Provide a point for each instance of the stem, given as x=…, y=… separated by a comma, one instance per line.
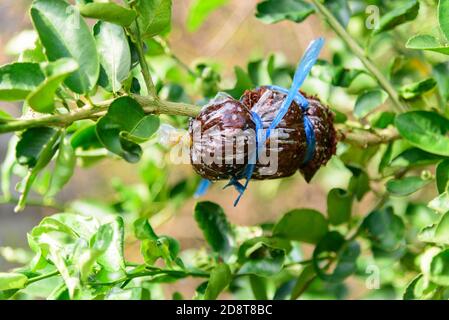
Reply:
x=34, y=203
x=42, y=277
x=360, y=53
x=157, y=272
x=143, y=64
x=149, y=104
x=365, y=139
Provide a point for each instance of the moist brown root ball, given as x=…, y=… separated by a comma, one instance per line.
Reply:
x=322, y=119
x=221, y=135
x=286, y=147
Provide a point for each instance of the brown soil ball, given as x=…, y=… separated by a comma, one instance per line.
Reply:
x=223, y=125
x=322, y=119
x=289, y=146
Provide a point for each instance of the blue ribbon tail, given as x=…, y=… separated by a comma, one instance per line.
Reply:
x=202, y=188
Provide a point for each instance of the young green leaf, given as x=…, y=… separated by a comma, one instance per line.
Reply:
x=64, y=166
x=414, y=90
x=199, y=11
x=109, y=12
x=443, y=14
x=114, y=52
x=272, y=11
x=369, y=101
x=216, y=229
x=305, y=225
x=10, y=281
x=339, y=206
x=425, y=130
x=42, y=98
x=406, y=186
x=220, y=278
x=403, y=13
x=17, y=80
x=442, y=176
x=154, y=17
x=65, y=35
x=427, y=42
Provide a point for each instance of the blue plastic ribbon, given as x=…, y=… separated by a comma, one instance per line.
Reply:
x=307, y=62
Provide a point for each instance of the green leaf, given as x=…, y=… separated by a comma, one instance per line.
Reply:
x=109, y=12
x=333, y=243
x=143, y=230
x=32, y=144
x=439, y=268
x=7, y=167
x=414, y=90
x=385, y=229
x=414, y=157
x=442, y=176
x=243, y=82
x=443, y=14
x=427, y=42
x=437, y=233
x=258, y=287
x=425, y=130
x=263, y=256
x=10, y=281
x=200, y=10
x=64, y=35
x=114, y=52
x=126, y=119
x=441, y=74
x=440, y=203
x=154, y=17
x=339, y=206
x=220, y=278
x=272, y=11
x=113, y=260
x=307, y=275
x=42, y=98
x=99, y=243
x=64, y=167
x=216, y=229
x=406, y=186
x=359, y=184
x=419, y=289
x=305, y=225
x=17, y=80
x=405, y=12
x=369, y=101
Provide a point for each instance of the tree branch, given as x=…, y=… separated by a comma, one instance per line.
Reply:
x=149, y=104
x=360, y=53
x=364, y=138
